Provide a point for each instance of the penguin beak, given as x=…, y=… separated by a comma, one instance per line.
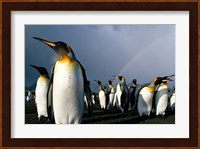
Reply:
x=34, y=67
x=99, y=83
x=115, y=77
x=111, y=80
x=49, y=43
x=166, y=80
x=37, y=68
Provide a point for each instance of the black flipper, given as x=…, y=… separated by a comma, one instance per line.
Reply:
x=107, y=99
x=87, y=90
x=50, y=98
x=137, y=92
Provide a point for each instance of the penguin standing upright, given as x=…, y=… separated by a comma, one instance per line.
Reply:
x=161, y=96
x=89, y=92
x=67, y=87
x=172, y=101
x=110, y=94
x=102, y=95
x=41, y=91
x=122, y=94
x=145, y=97
x=29, y=96
x=132, y=96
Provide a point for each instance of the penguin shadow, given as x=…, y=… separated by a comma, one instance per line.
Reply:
x=44, y=120
x=169, y=112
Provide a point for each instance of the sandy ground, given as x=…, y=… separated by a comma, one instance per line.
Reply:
x=114, y=116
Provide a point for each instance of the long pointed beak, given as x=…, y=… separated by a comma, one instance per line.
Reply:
x=34, y=66
x=172, y=75
x=115, y=77
x=166, y=80
x=49, y=43
x=37, y=68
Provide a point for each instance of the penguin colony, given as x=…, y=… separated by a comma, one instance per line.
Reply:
x=61, y=97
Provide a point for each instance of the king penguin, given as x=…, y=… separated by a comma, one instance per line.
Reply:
x=68, y=84
x=145, y=97
x=29, y=96
x=172, y=100
x=110, y=94
x=161, y=96
x=122, y=94
x=41, y=91
x=90, y=93
x=132, y=96
x=102, y=95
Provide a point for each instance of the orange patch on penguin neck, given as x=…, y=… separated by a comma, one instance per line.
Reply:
x=150, y=89
x=65, y=59
x=42, y=77
x=162, y=87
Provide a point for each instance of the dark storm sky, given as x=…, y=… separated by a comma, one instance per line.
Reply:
x=135, y=51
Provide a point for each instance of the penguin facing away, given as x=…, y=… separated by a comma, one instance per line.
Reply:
x=122, y=94
x=41, y=91
x=102, y=95
x=145, y=97
x=161, y=97
x=132, y=92
x=67, y=87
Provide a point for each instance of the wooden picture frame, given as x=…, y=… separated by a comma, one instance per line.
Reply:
x=7, y=7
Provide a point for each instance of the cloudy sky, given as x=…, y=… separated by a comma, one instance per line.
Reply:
x=135, y=51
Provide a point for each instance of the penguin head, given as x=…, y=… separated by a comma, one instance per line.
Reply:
x=59, y=47
x=110, y=82
x=121, y=78
x=134, y=81
x=41, y=70
x=165, y=79
x=88, y=83
x=157, y=81
x=99, y=82
x=104, y=88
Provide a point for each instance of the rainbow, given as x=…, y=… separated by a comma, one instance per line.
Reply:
x=141, y=52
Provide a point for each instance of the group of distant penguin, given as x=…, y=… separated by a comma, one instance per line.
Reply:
x=60, y=97
x=153, y=97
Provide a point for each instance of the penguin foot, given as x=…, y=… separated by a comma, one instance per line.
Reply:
x=39, y=119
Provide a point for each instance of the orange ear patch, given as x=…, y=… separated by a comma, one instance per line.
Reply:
x=154, y=80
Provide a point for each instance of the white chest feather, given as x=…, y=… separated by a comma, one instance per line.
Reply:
x=161, y=100
x=118, y=94
x=68, y=93
x=145, y=99
x=41, y=95
x=173, y=100
x=102, y=99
